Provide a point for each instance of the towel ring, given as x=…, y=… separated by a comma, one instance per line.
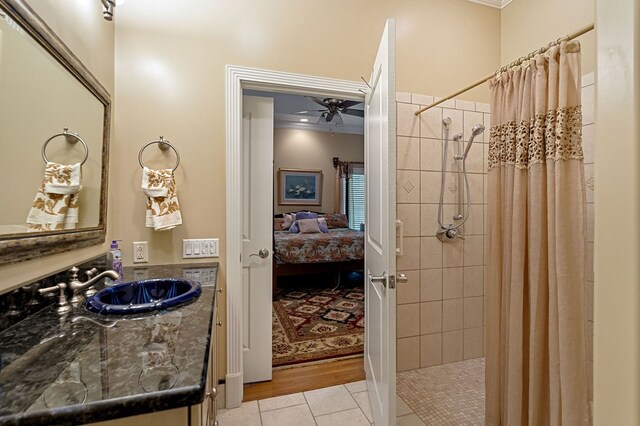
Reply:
x=72, y=138
x=163, y=144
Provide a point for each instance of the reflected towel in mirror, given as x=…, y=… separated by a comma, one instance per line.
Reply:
x=55, y=206
x=163, y=209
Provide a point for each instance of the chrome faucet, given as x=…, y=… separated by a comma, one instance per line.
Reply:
x=76, y=286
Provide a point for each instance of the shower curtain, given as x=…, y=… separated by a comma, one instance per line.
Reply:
x=536, y=368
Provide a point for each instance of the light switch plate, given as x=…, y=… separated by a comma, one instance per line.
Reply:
x=200, y=248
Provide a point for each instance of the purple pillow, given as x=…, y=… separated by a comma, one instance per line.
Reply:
x=306, y=215
x=322, y=224
x=294, y=228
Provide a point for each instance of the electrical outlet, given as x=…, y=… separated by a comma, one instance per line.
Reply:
x=140, y=274
x=140, y=252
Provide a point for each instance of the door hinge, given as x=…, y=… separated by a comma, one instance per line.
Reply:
x=392, y=281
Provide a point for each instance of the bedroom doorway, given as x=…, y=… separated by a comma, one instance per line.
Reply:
x=317, y=267
x=379, y=237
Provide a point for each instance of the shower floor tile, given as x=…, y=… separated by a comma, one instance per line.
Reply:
x=448, y=394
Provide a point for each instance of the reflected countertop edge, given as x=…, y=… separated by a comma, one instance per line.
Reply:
x=83, y=367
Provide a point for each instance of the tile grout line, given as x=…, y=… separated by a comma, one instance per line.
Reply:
x=259, y=413
x=309, y=406
x=279, y=408
x=345, y=410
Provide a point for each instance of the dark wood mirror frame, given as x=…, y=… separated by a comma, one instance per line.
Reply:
x=20, y=247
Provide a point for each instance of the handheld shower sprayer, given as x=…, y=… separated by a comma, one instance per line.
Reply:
x=477, y=130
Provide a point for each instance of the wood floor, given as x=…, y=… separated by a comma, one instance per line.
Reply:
x=301, y=379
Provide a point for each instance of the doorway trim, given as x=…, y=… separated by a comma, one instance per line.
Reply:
x=237, y=79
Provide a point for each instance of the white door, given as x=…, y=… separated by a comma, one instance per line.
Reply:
x=257, y=223
x=380, y=232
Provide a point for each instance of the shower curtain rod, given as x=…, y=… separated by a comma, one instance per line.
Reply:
x=571, y=36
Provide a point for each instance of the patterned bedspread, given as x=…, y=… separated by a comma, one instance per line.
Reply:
x=338, y=245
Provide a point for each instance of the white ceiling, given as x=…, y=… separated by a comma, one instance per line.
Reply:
x=285, y=104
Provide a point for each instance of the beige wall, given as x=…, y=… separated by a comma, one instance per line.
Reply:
x=171, y=81
x=80, y=25
x=617, y=176
x=312, y=150
x=527, y=25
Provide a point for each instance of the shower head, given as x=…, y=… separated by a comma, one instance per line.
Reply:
x=475, y=131
x=446, y=121
x=457, y=137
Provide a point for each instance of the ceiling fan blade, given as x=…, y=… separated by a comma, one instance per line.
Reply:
x=349, y=104
x=316, y=100
x=308, y=111
x=356, y=112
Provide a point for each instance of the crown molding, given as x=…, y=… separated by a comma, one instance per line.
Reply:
x=498, y=4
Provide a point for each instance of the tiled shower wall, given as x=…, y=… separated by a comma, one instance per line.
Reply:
x=588, y=144
x=440, y=311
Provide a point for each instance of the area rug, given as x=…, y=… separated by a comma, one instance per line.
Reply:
x=311, y=324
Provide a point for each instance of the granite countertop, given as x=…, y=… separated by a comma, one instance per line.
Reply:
x=82, y=367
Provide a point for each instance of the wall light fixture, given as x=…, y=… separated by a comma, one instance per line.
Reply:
x=107, y=9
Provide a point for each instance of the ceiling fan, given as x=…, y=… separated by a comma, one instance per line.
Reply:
x=333, y=108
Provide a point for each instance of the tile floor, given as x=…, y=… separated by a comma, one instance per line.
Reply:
x=336, y=406
x=449, y=394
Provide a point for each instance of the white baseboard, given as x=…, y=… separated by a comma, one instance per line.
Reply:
x=233, y=390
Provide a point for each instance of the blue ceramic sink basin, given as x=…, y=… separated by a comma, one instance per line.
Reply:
x=143, y=296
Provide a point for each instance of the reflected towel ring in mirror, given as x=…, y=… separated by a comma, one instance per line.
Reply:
x=163, y=144
x=159, y=377
x=71, y=138
x=61, y=394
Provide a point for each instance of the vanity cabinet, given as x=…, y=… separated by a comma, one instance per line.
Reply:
x=203, y=414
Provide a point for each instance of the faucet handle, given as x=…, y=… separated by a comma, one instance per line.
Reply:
x=90, y=273
x=63, y=305
x=92, y=289
x=73, y=273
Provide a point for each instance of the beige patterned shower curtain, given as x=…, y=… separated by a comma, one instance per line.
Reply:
x=536, y=370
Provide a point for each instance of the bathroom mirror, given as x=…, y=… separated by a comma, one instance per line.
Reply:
x=44, y=88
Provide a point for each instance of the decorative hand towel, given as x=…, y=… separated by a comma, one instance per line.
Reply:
x=56, y=204
x=163, y=210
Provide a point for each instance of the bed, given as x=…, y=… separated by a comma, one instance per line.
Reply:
x=340, y=249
